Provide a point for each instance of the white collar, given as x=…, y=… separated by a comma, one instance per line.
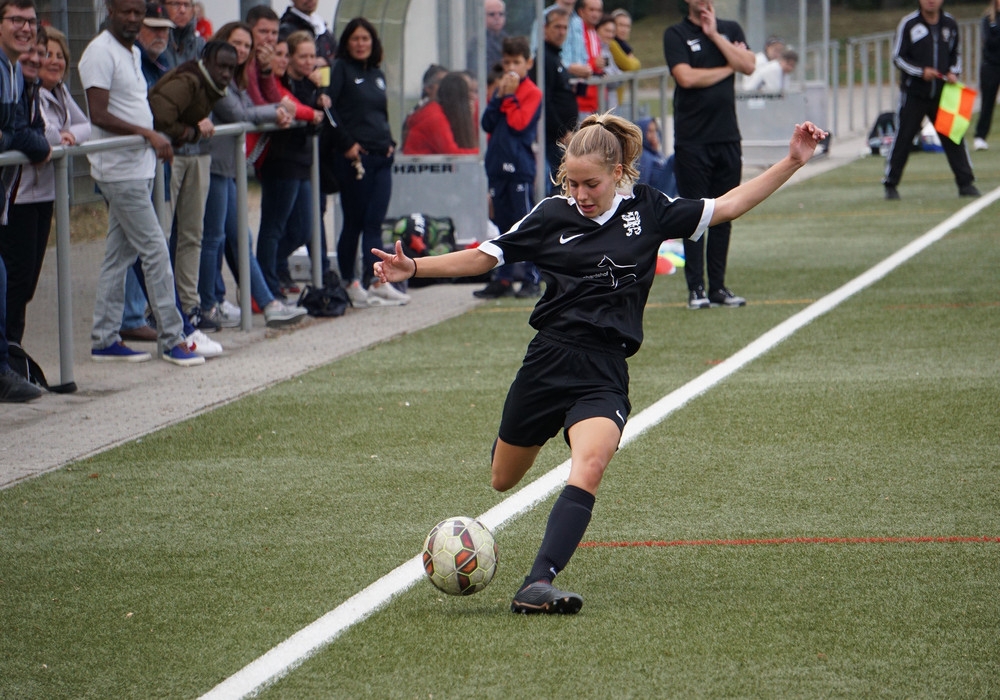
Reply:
x=606, y=216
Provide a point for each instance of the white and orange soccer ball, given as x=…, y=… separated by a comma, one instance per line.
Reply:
x=460, y=556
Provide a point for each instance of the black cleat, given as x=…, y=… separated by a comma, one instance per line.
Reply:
x=495, y=289
x=969, y=190
x=543, y=597
x=724, y=297
x=529, y=290
x=891, y=192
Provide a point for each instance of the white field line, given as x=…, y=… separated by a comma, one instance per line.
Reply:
x=296, y=649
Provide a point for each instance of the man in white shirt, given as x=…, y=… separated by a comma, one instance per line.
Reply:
x=111, y=74
x=772, y=77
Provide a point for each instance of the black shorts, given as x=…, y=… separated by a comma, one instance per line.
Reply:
x=560, y=384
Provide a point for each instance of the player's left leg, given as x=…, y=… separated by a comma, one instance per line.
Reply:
x=593, y=443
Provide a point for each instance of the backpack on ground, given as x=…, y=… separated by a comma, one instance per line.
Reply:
x=882, y=134
x=328, y=301
x=24, y=364
x=421, y=235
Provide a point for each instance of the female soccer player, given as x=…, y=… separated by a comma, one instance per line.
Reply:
x=596, y=248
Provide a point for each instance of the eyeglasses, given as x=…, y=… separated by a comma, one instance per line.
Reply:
x=19, y=22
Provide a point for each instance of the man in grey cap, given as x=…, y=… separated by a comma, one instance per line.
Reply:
x=154, y=36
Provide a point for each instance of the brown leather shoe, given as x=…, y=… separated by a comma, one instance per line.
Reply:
x=144, y=333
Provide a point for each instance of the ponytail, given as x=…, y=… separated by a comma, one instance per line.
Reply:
x=612, y=140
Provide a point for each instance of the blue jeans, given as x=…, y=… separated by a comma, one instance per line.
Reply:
x=134, y=231
x=220, y=229
x=364, y=203
x=285, y=214
x=135, y=301
x=3, y=317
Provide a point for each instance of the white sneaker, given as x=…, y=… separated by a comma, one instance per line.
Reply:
x=980, y=144
x=230, y=314
x=203, y=345
x=279, y=315
x=357, y=294
x=386, y=295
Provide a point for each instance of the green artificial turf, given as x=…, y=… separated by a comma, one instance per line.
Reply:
x=162, y=567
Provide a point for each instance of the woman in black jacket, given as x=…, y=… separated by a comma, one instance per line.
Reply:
x=989, y=73
x=364, y=166
x=286, y=189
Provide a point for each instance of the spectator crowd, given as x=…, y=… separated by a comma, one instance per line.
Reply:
x=161, y=72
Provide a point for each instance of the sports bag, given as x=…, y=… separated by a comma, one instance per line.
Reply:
x=324, y=302
x=421, y=235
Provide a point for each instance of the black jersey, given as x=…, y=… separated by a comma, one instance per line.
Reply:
x=598, y=272
x=703, y=115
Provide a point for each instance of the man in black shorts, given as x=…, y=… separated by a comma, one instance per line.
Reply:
x=704, y=54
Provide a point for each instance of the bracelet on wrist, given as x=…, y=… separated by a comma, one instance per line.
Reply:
x=414, y=268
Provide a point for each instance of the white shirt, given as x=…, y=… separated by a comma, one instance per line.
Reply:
x=107, y=64
x=770, y=78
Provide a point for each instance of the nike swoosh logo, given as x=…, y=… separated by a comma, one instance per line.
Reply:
x=358, y=81
x=566, y=239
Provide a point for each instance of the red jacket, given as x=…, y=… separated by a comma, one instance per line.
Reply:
x=429, y=133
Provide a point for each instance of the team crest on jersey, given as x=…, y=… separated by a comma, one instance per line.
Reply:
x=380, y=83
x=632, y=223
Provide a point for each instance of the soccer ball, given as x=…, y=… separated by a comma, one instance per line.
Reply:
x=460, y=556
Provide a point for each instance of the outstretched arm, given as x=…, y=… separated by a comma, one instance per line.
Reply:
x=742, y=199
x=396, y=267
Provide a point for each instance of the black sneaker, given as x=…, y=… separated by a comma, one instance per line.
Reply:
x=543, y=597
x=969, y=190
x=529, y=290
x=200, y=320
x=724, y=297
x=495, y=289
x=698, y=300
x=891, y=192
x=16, y=389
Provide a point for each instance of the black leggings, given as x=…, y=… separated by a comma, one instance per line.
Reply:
x=989, y=82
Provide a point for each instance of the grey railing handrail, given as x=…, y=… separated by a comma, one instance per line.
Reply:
x=62, y=222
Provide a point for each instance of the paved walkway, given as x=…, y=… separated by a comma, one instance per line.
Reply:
x=116, y=403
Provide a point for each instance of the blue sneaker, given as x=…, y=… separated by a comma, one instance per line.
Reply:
x=118, y=352
x=180, y=355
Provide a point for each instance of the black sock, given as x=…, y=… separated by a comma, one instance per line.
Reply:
x=567, y=522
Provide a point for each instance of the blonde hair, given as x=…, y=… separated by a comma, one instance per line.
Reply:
x=610, y=138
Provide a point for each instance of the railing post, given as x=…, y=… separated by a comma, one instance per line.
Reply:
x=317, y=221
x=834, y=113
x=160, y=199
x=64, y=283
x=242, y=233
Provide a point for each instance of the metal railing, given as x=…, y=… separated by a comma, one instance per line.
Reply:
x=60, y=155
x=865, y=82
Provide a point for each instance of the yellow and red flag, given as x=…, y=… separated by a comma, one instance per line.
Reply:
x=954, y=110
